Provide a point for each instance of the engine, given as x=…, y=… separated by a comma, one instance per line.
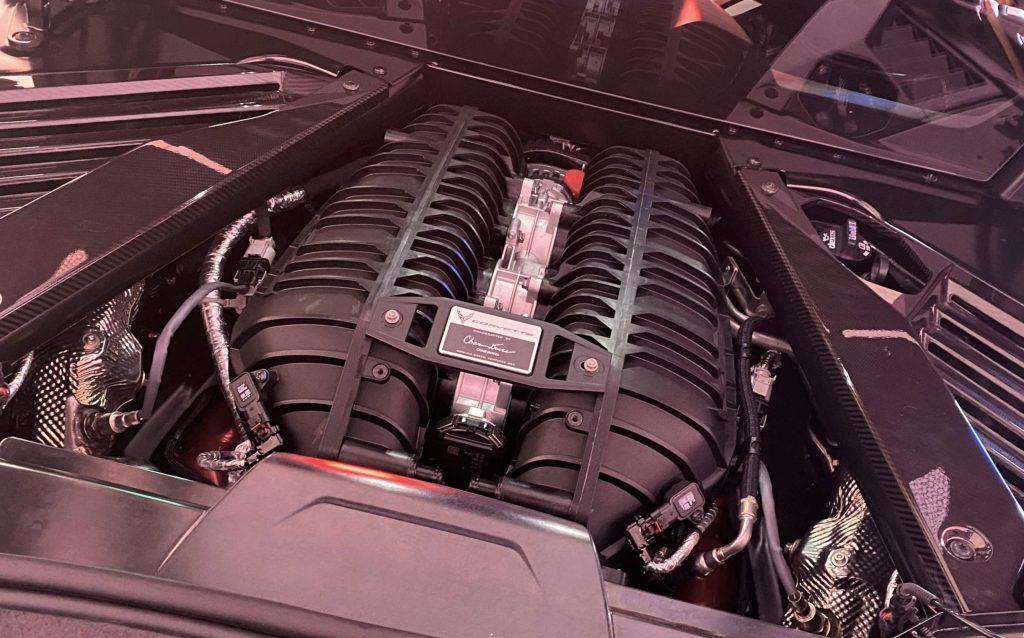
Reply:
x=459, y=314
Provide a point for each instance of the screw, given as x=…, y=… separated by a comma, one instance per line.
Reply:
x=380, y=372
x=23, y=37
x=769, y=188
x=380, y=71
x=350, y=86
x=392, y=317
x=574, y=418
x=754, y=162
x=261, y=376
x=591, y=365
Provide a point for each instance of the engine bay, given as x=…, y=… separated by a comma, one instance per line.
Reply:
x=551, y=324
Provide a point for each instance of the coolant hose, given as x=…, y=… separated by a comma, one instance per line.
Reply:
x=771, y=527
x=213, y=313
x=163, y=342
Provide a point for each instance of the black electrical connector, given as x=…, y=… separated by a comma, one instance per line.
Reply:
x=248, y=391
x=682, y=502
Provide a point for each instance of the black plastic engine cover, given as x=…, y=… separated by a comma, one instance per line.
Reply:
x=639, y=277
x=415, y=221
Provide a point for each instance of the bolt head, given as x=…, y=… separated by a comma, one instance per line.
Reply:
x=574, y=418
x=380, y=71
x=380, y=372
x=23, y=37
x=350, y=86
x=840, y=558
x=392, y=317
x=769, y=188
x=591, y=365
x=754, y=162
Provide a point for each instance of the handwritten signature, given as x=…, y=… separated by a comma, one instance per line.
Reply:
x=492, y=347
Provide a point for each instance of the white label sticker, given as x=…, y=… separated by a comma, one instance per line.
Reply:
x=493, y=340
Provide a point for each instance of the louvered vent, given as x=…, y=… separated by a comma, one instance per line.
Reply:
x=927, y=72
x=979, y=350
x=52, y=134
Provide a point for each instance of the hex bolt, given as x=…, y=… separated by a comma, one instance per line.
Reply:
x=350, y=86
x=754, y=162
x=380, y=372
x=574, y=418
x=392, y=317
x=769, y=188
x=591, y=365
x=380, y=71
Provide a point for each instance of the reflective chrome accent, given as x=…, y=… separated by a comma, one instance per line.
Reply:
x=711, y=560
x=515, y=285
x=977, y=348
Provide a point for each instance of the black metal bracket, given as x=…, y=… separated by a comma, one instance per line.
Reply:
x=395, y=335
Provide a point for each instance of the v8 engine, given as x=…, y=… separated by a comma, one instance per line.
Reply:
x=458, y=313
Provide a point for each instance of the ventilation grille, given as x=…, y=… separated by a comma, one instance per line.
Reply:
x=927, y=72
x=50, y=135
x=979, y=351
x=657, y=56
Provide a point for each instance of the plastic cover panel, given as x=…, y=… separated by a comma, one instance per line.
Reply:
x=395, y=552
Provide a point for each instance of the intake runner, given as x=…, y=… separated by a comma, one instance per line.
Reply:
x=417, y=220
x=639, y=276
x=446, y=317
